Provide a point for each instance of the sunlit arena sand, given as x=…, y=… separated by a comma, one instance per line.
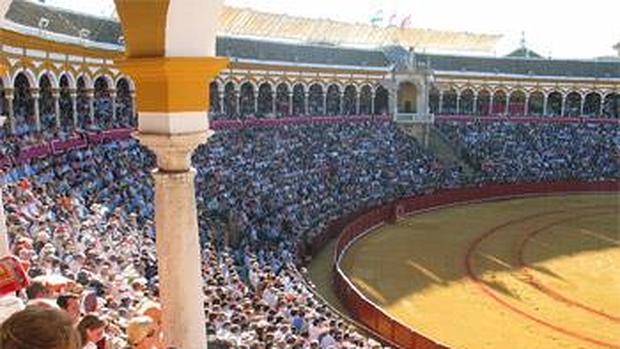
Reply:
x=526, y=273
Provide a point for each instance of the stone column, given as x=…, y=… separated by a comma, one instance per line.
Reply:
x=372, y=102
x=545, y=97
x=34, y=92
x=491, y=95
x=583, y=100
x=255, y=101
x=458, y=102
x=133, y=115
x=178, y=245
x=358, y=102
x=112, y=93
x=290, y=103
x=90, y=94
x=9, y=94
x=562, y=110
x=341, y=103
x=56, y=97
x=273, y=103
x=507, y=106
x=440, y=101
x=173, y=99
x=74, y=109
x=475, y=106
x=325, y=103
x=600, y=107
x=306, y=96
x=526, y=106
x=220, y=96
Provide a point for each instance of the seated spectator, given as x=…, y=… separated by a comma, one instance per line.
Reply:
x=39, y=328
x=91, y=330
x=142, y=333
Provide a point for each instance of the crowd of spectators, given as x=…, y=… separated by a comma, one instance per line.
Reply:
x=509, y=152
x=83, y=221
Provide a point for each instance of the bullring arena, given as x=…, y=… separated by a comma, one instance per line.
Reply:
x=187, y=174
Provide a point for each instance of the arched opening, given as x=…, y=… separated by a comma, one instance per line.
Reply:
x=282, y=100
x=103, y=103
x=124, y=107
x=517, y=103
x=536, y=103
x=611, y=106
x=382, y=101
x=573, y=104
x=499, y=103
x=592, y=104
x=349, y=104
x=265, y=99
x=83, y=106
x=333, y=100
x=47, y=108
x=230, y=100
x=315, y=100
x=407, y=98
x=23, y=105
x=299, y=100
x=247, y=99
x=66, y=104
x=366, y=100
x=215, y=109
x=449, y=102
x=484, y=102
x=433, y=100
x=466, y=105
x=554, y=104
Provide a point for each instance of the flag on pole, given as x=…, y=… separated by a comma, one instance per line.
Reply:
x=405, y=22
x=377, y=18
x=392, y=19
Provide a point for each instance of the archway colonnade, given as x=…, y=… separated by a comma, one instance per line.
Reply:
x=62, y=102
x=523, y=102
x=230, y=98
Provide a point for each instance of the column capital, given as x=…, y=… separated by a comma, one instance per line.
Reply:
x=9, y=93
x=173, y=84
x=173, y=151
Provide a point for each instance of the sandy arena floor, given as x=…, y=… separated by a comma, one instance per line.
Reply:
x=538, y=273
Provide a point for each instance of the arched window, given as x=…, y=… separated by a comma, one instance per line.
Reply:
x=466, y=105
x=265, y=99
x=536, y=103
x=517, y=103
x=554, y=104
x=611, y=106
x=66, y=104
x=315, y=100
x=230, y=100
x=247, y=99
x=366, y=100
x=499, y=103
x=349, y=103
x=124, y=107
x=282, y=100
x=333, y=100
x=83, y=104
x=47, y=108
x=215, y=109
x=573, y=104
x=382, y=97
x=449, y=102
x=23, y=105
x=103, y=103
x=299, y=100
x=433, y=100
x=592, y=104
x=484, y=102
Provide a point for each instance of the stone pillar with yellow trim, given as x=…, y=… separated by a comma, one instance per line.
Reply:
x=171, y=68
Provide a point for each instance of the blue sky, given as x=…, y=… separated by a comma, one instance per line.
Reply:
x=561, y=29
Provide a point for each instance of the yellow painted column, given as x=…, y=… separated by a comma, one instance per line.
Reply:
x=173, y=98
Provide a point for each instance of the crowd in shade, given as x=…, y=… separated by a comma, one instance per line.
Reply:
x=82, y=222
x=508, y=152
